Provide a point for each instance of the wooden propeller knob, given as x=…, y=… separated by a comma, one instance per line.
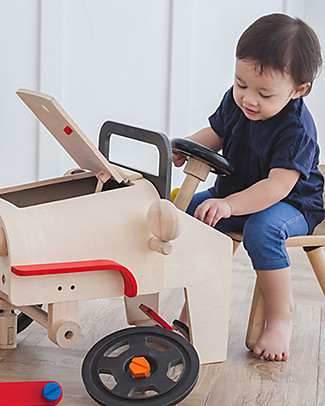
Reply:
x=163, y=222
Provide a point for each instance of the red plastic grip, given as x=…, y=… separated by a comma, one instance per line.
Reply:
x=130, y=283
x=25, y=394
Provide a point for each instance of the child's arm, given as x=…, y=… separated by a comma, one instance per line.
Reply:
x=207, y=137
x=257, y=197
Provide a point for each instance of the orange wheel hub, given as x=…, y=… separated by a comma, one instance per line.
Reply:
x=139, y=367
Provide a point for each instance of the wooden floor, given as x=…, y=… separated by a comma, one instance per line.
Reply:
x=241, y=380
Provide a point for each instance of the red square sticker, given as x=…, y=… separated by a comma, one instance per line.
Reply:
x=68, y=130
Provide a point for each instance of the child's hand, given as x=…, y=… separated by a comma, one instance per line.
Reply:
x=178, y=160
x=212, y=210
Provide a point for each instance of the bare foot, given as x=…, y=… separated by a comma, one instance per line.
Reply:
x=274, y=344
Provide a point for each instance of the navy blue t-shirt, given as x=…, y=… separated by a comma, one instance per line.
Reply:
x=287, y=140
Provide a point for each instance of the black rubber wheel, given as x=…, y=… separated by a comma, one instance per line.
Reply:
x=173, y=361
x=218, y=163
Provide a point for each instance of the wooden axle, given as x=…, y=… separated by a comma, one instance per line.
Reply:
x=8, y=326
x=60, y=322
x=35, y=313
x=63, y=328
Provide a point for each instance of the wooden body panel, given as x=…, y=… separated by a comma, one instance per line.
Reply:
x=107, y=225
x=201, y=261
x=113, y=225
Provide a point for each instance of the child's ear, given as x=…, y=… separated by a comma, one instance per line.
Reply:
x=301, y=90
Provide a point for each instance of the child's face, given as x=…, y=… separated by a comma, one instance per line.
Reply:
x=261, y=96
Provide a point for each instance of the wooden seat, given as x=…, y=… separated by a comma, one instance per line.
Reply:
x=312, y=245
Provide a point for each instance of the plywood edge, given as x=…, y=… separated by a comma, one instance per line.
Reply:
x=46, y=182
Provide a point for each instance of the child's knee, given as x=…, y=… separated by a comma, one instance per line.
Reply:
x=259, y=233
x=265, y=244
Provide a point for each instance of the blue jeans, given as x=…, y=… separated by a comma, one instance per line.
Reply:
x=264, y=232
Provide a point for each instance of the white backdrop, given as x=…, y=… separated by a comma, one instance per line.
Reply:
x=162, y=65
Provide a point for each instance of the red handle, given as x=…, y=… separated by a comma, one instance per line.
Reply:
x=30, y=393
x=130, y=283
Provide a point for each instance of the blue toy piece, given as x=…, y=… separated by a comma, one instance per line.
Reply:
x=52, y=391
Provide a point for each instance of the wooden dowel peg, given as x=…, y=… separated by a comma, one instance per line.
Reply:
x=162, y=247
x=63, y=328
x=8, y=330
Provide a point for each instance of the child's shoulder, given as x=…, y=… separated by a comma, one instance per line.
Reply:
x=228, y=99
x=297, y=118
x=226, y=115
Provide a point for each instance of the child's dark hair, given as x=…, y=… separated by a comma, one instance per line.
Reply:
x=282, y=43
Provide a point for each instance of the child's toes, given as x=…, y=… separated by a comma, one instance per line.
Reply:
x=285, y=356
x=258, y=351
x=266, y=355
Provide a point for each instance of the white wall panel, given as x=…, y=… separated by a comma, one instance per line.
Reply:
x=19, y=46
x=52, y=72
x=116, y=63
x=313, y=12
x=180, y=68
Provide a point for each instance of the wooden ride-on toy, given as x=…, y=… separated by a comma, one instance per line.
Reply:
x=91, y=235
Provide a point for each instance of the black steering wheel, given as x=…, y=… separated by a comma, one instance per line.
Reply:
x=217, y=162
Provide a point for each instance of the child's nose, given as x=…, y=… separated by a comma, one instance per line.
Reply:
x=249, y=100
